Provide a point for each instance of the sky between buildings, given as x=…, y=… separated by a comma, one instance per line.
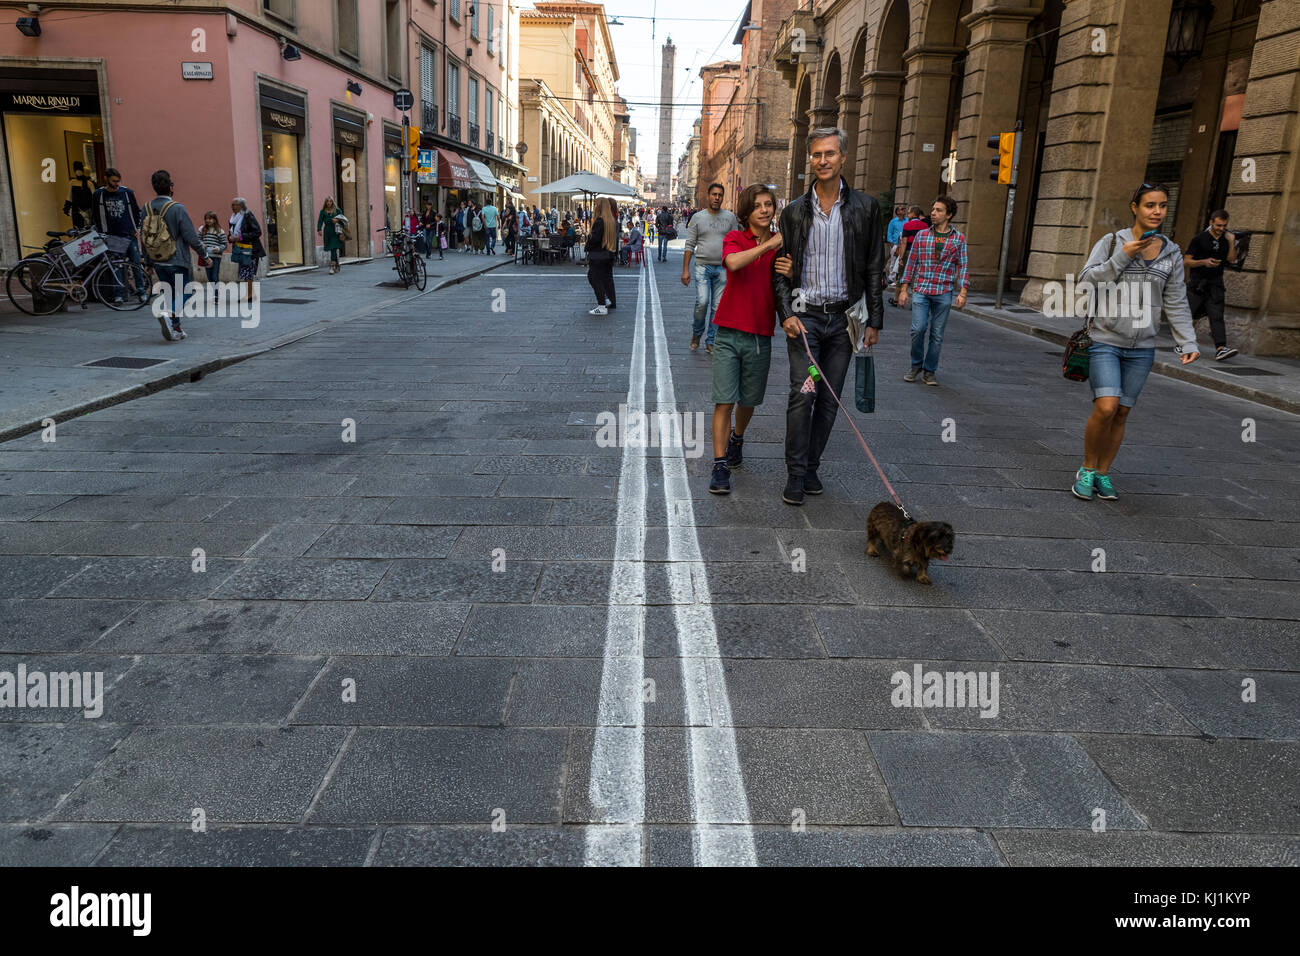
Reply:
x=701, y=31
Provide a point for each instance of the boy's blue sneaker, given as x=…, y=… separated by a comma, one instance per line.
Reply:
x=1105, y=489
x=1083, y=483
x=720, y=484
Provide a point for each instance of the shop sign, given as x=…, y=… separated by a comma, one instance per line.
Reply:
x=424, y=161
x=345, y=137
x=84, y=248
x=196, y=71
x=274, y=119
x=78, y=104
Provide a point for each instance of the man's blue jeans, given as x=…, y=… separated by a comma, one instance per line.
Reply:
x=710, y=280
x=491, y=239
x=175, y=304
x=663, y=248
x=929, y=314
x=810, y=416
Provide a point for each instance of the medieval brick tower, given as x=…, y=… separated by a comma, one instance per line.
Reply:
x=664, y=165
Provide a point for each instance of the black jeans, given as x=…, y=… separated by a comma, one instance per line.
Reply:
x=810, y=416
x=600, y=273
x=1205, y=296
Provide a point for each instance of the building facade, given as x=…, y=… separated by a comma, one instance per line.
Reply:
x=718, y=131
x=1110, y=93
x=568, y=100
x=764, y=98
x=280, y=102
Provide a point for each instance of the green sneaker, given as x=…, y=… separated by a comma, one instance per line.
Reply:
x=1083, y=483
x=1105, y=489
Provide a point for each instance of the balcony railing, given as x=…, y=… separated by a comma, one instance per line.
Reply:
x=429, y=115
x=453, y=126
x=473, y=134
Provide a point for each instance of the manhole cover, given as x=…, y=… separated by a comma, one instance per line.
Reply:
x=124, y=361
x=1245, y=370
x=291, y=301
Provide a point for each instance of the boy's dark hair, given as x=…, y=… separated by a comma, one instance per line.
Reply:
x=749, y=199
x=1219, y=214
x=162, y=182
x=1148, y=188
x=948, y=203
x=111, y=172
x=916, y=212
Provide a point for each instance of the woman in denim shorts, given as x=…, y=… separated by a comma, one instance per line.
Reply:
x=1135, y=275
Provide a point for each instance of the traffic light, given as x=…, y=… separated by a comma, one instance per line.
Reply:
x=412, y=149
x=1005, y=144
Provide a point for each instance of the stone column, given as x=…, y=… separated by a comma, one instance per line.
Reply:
x=878, y=155
x=848, y=121
x=1104, y=89
x=1265, y=192
x=925, y=114
x=995, y=62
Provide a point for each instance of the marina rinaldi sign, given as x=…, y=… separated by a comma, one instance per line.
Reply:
x=76, y=104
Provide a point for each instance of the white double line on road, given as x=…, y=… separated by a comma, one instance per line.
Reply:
x=617, y=788
x=720, y=808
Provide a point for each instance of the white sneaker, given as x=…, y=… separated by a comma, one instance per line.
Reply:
x=177, y=333
x=599, y=310
x=165, y=321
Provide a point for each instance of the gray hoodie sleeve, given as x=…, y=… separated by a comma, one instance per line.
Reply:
x=1099, y=268
x=1177, y=311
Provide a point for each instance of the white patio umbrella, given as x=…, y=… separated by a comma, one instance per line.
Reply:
x=589, y=184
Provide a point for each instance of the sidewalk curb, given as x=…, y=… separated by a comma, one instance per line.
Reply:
x=192, y=373
x=1161, y=367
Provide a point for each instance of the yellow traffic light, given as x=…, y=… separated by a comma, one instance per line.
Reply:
x=1005, y=144
x=412, y=148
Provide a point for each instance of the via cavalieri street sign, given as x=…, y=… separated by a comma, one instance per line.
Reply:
x=403, y=99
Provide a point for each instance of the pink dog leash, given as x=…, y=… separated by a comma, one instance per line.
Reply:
x=811, y=386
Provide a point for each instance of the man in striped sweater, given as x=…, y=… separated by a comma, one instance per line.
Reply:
x=936, y=265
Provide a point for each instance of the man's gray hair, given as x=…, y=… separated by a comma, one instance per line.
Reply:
x=241, y=201
x=825, y=132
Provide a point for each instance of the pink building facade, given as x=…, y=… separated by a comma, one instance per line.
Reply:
x=211, y=97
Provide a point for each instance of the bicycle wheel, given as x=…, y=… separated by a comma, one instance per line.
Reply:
x=113, y=285
x=30, y=286
x=421, y=275
x=403, y=272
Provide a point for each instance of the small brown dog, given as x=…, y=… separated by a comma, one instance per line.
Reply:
x=910, y=544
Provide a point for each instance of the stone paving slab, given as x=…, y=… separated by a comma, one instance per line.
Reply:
x=236, y=774
x=842, y=846
x=1127, y=848
x=238, y=846
x=53, y=845
x=417, y=692
x=53, y=625
x=997, y=780
x=217, y=627
x=1193, y=785
x=40, y=763
x=446, y=775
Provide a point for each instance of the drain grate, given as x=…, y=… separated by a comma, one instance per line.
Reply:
x=1244, y=370
x=1021, y=309
x=124, y=361
x=291, y=301
x=302, y=288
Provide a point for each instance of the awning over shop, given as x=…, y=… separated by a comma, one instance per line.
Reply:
x=453, y=171
x=482, y=174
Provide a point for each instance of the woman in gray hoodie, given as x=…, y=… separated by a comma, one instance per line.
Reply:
x=1133, y=276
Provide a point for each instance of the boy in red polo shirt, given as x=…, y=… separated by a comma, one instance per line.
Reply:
x=746, y=318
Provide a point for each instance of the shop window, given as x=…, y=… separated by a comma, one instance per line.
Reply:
x=281, y=179
x=76, y=144
x=1169, y=133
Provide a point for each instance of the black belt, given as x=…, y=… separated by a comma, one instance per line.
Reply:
x=828, y=308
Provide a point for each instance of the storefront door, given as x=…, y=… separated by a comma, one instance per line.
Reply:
x=53, y=134
x=284, y=125
x=349, y=166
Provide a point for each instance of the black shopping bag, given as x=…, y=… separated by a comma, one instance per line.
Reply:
x=865, y=397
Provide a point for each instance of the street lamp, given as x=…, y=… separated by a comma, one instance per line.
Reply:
x=1187, y=25
x=29, y=26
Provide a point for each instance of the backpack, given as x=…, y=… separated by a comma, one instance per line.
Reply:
x=477, y=224
x=159, y=244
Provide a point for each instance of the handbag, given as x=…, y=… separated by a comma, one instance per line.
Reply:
x=1076, y=364
x=241, y=252
x=864, y=366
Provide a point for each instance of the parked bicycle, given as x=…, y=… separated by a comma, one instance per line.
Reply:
x=409, y=264
x=74, y=265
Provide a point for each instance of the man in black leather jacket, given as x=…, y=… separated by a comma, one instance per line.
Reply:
x=834, y=253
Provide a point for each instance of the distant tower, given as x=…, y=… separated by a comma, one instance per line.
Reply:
x=663, y=169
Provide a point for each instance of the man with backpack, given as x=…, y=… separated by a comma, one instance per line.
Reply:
x=664, y=223
x=168, y=235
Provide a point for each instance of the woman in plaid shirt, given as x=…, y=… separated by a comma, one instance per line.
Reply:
x=935, y=266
